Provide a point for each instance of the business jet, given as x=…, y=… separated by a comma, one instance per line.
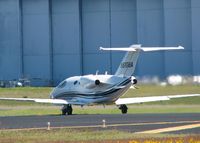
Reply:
x=103, y=89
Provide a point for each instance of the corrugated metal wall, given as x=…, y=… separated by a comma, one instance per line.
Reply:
x=50, y=40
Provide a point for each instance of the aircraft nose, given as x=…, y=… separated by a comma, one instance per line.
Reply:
x=52, y=94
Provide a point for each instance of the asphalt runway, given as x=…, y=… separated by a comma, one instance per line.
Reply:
x=136, y=123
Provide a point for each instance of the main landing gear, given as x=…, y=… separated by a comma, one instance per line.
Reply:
x=123, y=108
x=67, y=109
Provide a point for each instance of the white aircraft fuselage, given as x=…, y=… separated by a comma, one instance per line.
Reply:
x=91, y=89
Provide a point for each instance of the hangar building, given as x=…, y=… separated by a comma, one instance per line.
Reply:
x=50, y=40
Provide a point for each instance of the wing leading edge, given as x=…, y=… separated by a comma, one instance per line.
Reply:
x=37, y=100
x=135, y=100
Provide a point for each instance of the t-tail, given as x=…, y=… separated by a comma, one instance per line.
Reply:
x=128, y=64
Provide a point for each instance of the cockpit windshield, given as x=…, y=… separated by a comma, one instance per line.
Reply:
x=62, y=84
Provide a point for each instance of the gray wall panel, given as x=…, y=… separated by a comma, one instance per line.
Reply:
x=36, y=40
x=66, y=66
x=178, y=63
x=196, y=63
x=150, y=33
x=96, y=33
x=36, y=66
x=122, y=33
x=177, y=16
x=174, y=4
x=60, y=39
x=195, y=3
x=9, y=40
x=10, y=67
x=35, y=7
x=66, y=39
x=95, y=16
x=36, y=35
x=66, y=30
x=150, y=64
x=96, y=62
x=195, y=10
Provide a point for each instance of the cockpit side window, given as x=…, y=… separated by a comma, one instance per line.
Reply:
x=62, y=84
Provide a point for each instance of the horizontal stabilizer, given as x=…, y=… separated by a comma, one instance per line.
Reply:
x=146, y=49
x=128, y=64
x=139, y=48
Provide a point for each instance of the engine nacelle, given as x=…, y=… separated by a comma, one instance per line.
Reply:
x=97, y=82
x=133, y=80
x=89, y=82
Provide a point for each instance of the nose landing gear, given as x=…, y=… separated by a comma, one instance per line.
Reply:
x=123, y=108
x=67, y=109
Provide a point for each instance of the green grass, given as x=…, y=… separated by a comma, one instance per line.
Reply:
x=181, y=105
x=133, y=109
x=30, y=92
x=63, y=135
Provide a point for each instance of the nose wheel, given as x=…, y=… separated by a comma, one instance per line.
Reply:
x=67, y=109
x=123, y=108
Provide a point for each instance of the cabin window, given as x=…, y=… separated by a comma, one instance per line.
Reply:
x=75, y=82
x=62, y=84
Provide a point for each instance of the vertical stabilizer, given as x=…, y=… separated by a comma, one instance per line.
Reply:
x=128, y=64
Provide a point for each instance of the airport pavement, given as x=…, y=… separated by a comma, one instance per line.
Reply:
x=137, y=123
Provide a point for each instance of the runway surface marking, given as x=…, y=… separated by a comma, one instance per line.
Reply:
x=107, y=125
x=170, y=129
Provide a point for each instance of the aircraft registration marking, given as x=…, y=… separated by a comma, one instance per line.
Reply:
x=126, y=65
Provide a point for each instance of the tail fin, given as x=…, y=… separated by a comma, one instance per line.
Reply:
x=128, y=64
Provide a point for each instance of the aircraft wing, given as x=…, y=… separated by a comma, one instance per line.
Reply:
x=52, y=101
x=135, y=100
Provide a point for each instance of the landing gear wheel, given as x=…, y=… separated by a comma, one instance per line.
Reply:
x=123, y=108
x=67, y=109
x=64, y=110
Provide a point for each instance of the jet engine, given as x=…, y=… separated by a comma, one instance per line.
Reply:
x=97, y=82
x=90, y=82
x=133, y=80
